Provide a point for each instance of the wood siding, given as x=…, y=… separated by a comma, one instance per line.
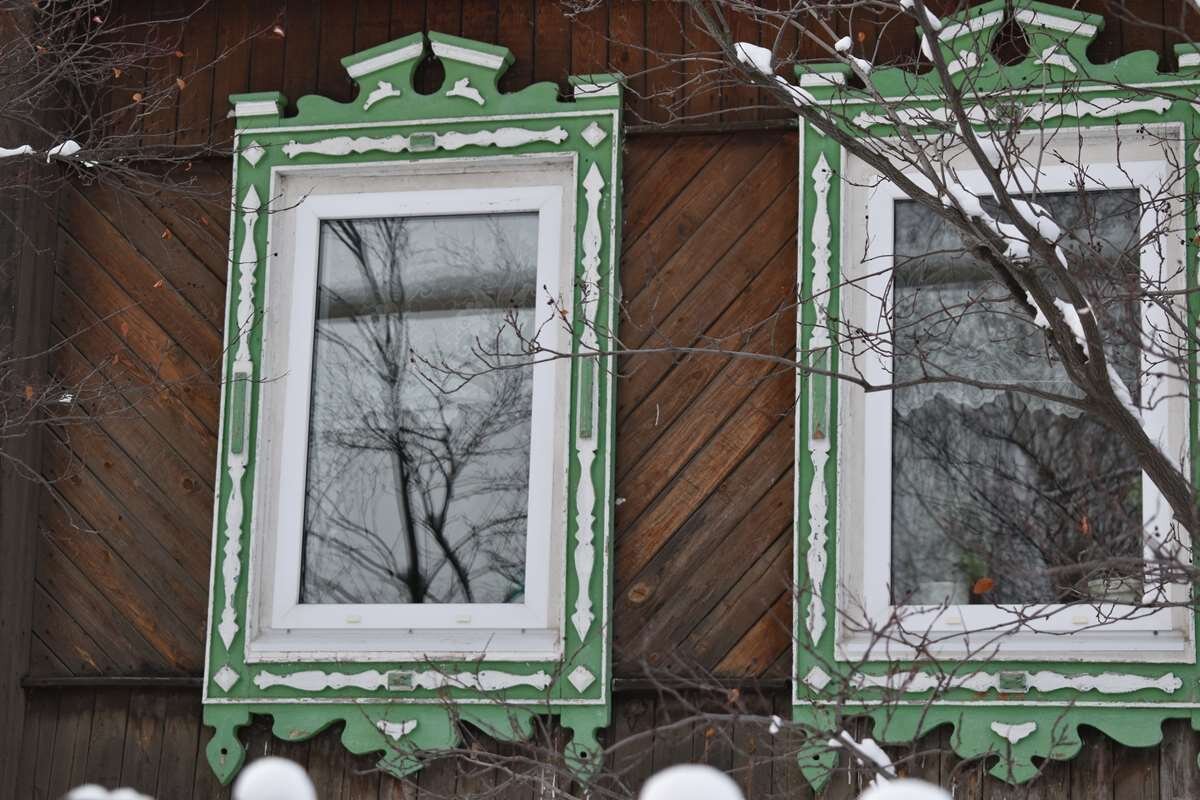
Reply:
x=704, y=450
x=153, y=739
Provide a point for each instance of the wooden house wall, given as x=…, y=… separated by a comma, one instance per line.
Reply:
x=704, y=450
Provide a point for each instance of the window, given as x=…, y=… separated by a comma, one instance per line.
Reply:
x=413, y=525
x=973, y=549
x=400, y=408
x=988, y=507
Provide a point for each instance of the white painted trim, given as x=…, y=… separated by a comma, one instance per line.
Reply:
x=448, y=140
x=819, y=446
x=408, y=123
x=402, y=680
x=382, y=91
x=386, y=60
x=236, y=463
x=463, y=88
x=1015, y=732
x=973, y=25
x=864, y=538
x=255, y=108
x=1039, y=681
x=807, y=80
x=585, y=494
x=466, y=55
x=1099, y=108
x=1056, y=23
x=585, y=90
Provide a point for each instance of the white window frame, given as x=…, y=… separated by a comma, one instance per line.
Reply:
x=280, y=627
x=1062, y=632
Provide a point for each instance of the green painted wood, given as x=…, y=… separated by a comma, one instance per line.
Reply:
x=1080, y=93
x=467, y=117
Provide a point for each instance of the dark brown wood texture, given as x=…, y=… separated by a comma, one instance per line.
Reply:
x=704, y=443
x=704, y=452
x=153, y=740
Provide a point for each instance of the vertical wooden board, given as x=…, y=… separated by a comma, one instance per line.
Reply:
x=45, y=706
x=26, y=764
x=631, y=761
x=439, y=778
x=444, y=16
x=1135, y=772
x=589, y=41
x=740, y=101
x=627, y=56
x=786, y=778
x=197, y=68
x=552, y=43
x=408, y=16
x=1094, y=765
x=336, y=42
x=162, y=72
x=107, y=747
x=664, y=45
x=480, y=21
x=360, y=777
x=1178, y=774
x=205, y=785
x=752, y=746
x=514, y=24
x=371, y=21
x=180, y=733
x=268, y=46
x=325, y=756
x=673, y=728
x=143, y=739
x=76, y=713
x=391, y=788
x=702, y=72
x=232, y=71
x=302, y=24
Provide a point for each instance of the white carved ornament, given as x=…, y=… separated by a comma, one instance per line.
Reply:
x=1015, y=732
x=382, y=91
x=425, y=142
x=243, y=369
x=1041, y=681
x=585, y=493
x=463, y=88
x=818, y=429
x=1096, y=107
x=396, y=730
x=315, y=680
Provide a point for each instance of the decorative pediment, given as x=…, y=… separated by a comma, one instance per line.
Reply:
x=386, y=89
x=1056, y=39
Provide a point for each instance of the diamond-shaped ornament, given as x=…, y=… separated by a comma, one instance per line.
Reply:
x=254, y=152
x=593, y=134
x=226, y=677
x=581, y=678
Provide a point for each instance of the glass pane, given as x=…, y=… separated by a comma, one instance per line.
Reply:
x=998, y=496
x=417, y=477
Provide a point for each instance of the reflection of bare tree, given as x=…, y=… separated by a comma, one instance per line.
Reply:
x=417, y=488
x=1013, y=496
